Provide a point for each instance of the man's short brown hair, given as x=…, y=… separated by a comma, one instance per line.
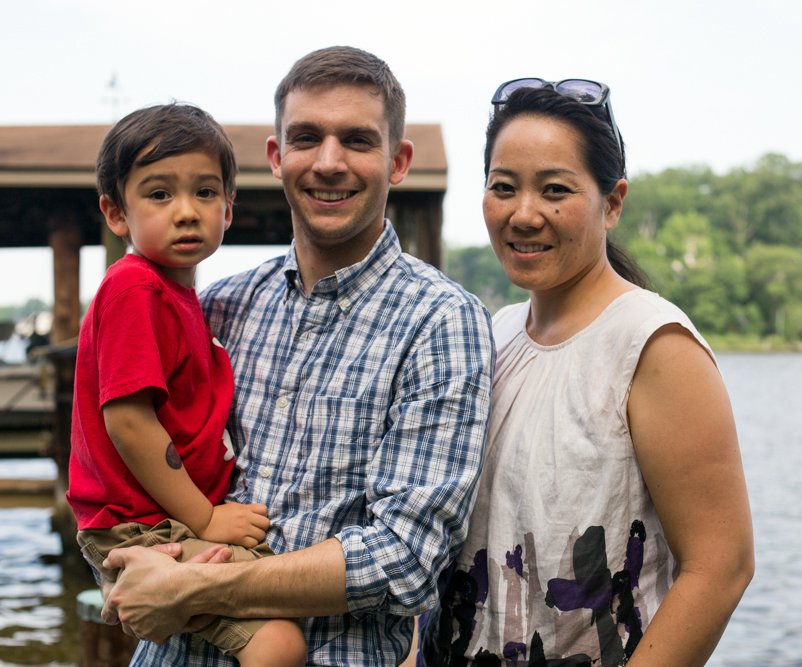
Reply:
x=346, y=65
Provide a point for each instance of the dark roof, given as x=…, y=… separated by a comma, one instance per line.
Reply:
x=45, y=155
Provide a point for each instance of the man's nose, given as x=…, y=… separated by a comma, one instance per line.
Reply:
x=330, y=156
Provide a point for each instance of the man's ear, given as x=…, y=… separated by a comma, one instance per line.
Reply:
x=114, y=215
x=273, y=152
x=615, y=203
x=402, y=160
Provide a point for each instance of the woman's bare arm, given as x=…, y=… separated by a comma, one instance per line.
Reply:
x=686, y=443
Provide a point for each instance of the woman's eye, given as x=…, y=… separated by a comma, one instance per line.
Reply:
x=501, y=188
x=556, y=189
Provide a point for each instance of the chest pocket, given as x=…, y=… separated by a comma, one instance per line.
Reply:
x=340, y=436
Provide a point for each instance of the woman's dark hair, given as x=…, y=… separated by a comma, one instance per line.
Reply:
x=603, y=157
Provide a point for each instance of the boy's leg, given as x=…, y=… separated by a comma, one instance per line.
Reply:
x=278, y=643
x=232, y=636
x=254, y=642
x=96, y=544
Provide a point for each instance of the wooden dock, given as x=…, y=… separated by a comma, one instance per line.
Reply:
x=27, y=408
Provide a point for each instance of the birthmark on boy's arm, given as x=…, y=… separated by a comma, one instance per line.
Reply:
x=172, y=457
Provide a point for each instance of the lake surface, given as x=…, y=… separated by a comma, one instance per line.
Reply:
x=37, y=588
x=766, y=393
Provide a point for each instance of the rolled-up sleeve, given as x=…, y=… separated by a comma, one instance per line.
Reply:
x=422, y=479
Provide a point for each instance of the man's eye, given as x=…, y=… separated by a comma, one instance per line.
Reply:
x=303, y=139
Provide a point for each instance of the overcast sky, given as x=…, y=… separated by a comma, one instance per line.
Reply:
x=713, y=82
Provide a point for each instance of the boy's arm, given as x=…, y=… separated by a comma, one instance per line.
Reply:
x=147, y=450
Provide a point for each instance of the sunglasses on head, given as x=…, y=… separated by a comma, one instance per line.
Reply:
x=591, y=93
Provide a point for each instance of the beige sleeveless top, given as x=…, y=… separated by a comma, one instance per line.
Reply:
x=565, y=556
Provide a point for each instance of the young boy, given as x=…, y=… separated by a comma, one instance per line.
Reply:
x=150, y=461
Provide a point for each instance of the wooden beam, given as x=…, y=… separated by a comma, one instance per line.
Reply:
x=65, y=241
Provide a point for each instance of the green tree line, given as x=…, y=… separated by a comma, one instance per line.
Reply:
x=10, y=313
x=727, y=249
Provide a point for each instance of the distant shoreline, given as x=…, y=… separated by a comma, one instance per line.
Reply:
x=770, y=345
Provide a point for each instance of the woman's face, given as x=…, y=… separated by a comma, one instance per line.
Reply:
x=546, y=217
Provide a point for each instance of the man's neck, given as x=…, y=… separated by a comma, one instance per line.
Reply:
x=316, y=262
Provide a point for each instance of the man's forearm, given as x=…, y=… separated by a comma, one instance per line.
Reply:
x=155, y=597
x=308, y=582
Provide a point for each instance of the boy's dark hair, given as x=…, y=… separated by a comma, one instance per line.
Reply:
x=154, y=133
x=346, y=65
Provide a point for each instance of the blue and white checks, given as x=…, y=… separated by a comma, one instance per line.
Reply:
x=359, y=413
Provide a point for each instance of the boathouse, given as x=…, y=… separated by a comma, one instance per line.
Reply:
x=48, y=198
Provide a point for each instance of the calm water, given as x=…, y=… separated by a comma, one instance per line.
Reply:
x=37, y=589
x=38, y=586
x=766, y=392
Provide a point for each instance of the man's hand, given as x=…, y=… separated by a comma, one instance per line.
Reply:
x=146, y=597
x=234, y=523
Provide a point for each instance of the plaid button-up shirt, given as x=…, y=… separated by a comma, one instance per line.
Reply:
x=360, y=412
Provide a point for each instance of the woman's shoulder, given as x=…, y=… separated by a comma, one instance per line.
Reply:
x=635, y=316
x=641, y=307
x=509, y=321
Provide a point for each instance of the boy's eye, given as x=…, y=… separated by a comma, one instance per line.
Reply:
x=207, y=193
x=159, y=195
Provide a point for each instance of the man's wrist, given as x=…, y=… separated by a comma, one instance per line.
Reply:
x=201, y=587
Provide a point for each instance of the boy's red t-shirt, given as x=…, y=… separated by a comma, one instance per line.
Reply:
x=144, y=330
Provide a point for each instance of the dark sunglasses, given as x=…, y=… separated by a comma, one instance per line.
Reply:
x=591, y=93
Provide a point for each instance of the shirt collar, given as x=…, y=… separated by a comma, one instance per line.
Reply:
x=346, y=283
x=291, y=273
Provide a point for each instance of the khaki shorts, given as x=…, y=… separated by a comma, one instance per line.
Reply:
x=227, y=634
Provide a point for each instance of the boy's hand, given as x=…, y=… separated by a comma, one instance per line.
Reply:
x=234, y=523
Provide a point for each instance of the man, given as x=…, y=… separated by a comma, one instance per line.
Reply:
x=362, y=394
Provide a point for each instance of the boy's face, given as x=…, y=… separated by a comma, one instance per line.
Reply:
x=176, y=211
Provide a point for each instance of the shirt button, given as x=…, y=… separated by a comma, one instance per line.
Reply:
x=344, y=303
x=282, y=402
x=264, y=471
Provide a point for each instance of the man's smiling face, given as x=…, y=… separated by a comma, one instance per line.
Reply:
x=336, y=164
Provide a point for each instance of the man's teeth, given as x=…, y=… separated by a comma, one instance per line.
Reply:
x=325, y=195
x=520, y=247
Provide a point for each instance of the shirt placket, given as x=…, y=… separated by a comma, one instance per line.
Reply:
x=311, y=319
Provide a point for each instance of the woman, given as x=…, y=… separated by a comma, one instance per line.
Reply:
x=612, y=524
